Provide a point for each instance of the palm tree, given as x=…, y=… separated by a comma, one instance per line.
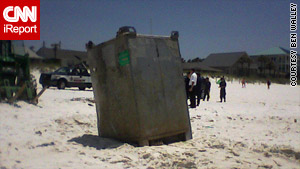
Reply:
x=271, y=66
x=248, y=61
x=244, y=60
x=197, y=60
x=263, y=60
x=183, y=60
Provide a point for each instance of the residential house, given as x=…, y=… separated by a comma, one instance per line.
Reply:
x=278, y=55
x=230, y=63
x=33, y=57
x=63, y=56
x=198, y=66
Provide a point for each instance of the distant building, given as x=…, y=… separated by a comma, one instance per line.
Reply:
x=63, y=56
x=279, y=56
x=232, y=63
x=33, y=57
x=198, y=66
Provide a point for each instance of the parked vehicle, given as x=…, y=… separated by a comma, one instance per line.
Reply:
x=67, y=77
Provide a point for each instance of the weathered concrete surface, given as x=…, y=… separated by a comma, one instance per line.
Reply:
x=145, y=99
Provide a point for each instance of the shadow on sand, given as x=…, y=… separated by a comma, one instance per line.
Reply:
x=96, y=142
x=74, y=89
x=70, y=89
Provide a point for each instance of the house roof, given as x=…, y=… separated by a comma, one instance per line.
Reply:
x=48, y=53
x=32, y=54
x=273, y=51
x=198, y=66
x=223, y=59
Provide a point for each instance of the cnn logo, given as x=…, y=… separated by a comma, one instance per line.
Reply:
x=20, y=20
x=24, y=14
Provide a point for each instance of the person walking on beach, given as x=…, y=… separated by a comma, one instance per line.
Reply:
x=206, y=89
x=222, y=87
x=198, y=88
x=243, y=83
x=268, y=83
x=192, y=88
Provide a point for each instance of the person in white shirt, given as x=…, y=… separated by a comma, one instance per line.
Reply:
x=192, y=89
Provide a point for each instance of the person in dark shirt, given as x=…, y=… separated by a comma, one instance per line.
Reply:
x=186, y=81
x=222, y=87
x=268, y=83
x=198, y=88
x=206, y=89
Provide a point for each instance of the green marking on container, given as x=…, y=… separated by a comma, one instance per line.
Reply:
x=124, y=58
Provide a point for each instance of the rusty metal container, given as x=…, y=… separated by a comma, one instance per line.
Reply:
x=139, y=89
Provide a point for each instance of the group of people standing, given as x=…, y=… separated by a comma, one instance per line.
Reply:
x=198, y=88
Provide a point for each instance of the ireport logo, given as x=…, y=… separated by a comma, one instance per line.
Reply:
x=20, y=20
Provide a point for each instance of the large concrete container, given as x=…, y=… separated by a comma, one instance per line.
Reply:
x=139, y=88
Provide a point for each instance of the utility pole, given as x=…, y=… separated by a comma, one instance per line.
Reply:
x=55, y=48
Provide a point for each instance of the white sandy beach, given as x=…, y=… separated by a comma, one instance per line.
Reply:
x=255, y=128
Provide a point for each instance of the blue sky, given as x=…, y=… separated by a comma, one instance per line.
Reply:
x=205, y=26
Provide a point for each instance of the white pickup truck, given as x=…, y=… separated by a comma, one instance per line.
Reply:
x=67, y=77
